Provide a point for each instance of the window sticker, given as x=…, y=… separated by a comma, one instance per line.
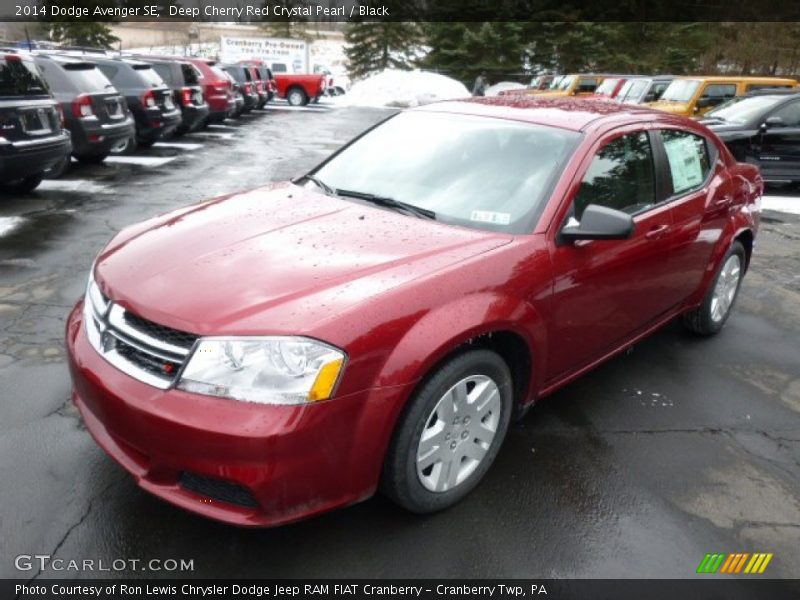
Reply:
x=488, y=216
x=684, y=163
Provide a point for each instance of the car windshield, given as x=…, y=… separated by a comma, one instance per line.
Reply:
x=607, y=87
x=633, y=90
x=565, y=83
x=744, y=110
x=21, y=78
x=680, y=90
x=473, y=171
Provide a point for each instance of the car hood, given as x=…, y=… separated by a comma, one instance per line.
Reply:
x=217, y=267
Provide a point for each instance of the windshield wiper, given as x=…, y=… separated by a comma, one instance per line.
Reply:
x=320, y=184
x=387, y=202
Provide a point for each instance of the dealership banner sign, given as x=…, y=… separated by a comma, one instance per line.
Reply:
x=422, y=589
x=292, y=53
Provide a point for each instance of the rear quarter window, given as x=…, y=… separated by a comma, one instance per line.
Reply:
x=21, y=78
x=688, y=159
x=164, y=71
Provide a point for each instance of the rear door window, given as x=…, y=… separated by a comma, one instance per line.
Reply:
x=21, y=78
x=587, y=84
x=621, y=176
x=718, y=93
x=689, y=162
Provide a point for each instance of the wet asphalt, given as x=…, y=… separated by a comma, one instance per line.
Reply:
x=681, y=447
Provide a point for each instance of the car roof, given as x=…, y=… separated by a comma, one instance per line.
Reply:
x=566, y=113
x=751, y=78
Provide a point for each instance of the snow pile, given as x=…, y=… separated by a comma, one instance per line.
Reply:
x=503, y=86
x=403, y=89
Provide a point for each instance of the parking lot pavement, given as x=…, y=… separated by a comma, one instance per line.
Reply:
x=682, y=447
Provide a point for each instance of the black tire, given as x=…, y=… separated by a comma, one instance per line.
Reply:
x=400, y=480
x=58, y=169
x=92, y=159
x=701, y=320
x=126, y=147
x=24, y=185
x=296, y=96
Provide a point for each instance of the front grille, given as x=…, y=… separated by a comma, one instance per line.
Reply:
x=147, y=351
x=171, y=336
x=146, y=361
x=218, y=489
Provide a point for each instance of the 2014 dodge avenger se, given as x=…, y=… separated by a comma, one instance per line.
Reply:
x=268, y=355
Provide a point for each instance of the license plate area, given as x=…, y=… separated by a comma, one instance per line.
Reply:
x=36, y=122
x=114, y=109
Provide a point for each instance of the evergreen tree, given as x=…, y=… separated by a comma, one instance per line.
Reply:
x=464, y=50
x=78, y=32
x=374, y=46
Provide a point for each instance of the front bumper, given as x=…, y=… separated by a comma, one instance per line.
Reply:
x=292, y=462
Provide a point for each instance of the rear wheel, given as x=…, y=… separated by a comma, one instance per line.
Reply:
x=126, y=146
x=24, y=185
x=450, y=433
x=296, y=97
x=711, y=315
x=58, y=169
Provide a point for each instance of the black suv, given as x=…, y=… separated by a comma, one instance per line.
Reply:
x=247, y=87
x=148, y=97
x=95, y=113
x=762, y=129
x=184, y=79
x=32, y=139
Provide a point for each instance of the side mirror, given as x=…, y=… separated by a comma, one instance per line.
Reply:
x=599, y=223
x=705, y=102
x=772, y=122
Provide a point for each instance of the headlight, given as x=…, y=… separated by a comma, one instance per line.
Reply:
x=268, y=370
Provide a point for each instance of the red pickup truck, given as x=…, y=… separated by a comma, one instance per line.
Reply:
x=297, y=89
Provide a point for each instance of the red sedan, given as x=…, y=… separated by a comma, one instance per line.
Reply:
x=269, y=355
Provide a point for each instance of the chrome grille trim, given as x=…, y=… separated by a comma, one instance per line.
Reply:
x=116, y=319
x=107, y=328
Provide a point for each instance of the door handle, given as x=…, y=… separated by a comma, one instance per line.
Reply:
x=656, y=232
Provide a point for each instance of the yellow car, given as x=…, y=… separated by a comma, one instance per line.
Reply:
x=694, y=96
x=571, y=85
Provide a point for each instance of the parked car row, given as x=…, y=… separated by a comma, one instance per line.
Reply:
x=690, y=96
x=758, y=118
x=87, y=103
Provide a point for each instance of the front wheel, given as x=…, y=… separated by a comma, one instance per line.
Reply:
x=450, y=433
x=711, y=315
